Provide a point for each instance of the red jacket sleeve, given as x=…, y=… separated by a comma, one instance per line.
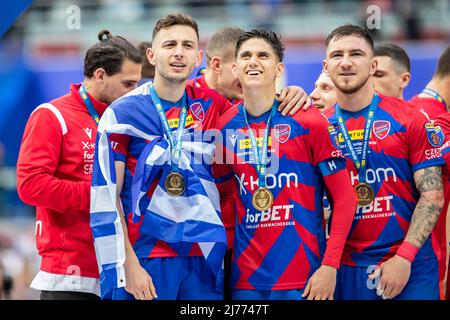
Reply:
x=37, y=163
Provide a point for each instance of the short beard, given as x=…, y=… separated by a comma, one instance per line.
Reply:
x=354, y=89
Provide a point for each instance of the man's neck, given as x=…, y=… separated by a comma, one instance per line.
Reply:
x=258, y=100
x=440, y=85
x=211, y=79
x=169, y=90
x=358, y=100
x=92, y=90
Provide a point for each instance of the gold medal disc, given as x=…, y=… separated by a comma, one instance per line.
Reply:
x=262, y=199
x=175, y=184
x=365, y=194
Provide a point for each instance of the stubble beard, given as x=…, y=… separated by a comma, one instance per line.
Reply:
x=353, y=89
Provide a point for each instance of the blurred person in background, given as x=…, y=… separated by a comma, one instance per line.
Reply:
x=148, y=70
x=435, y=97
x=54, y=168
x=388, y=254
x=324, y=94
x=393, y=71
x=434, y=100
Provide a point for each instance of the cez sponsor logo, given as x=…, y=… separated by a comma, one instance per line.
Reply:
x=272, y=181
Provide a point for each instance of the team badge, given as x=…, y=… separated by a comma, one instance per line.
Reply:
x=381, y=128
x=197, y=111
x=333, y=136
x=282, y=132
x=434, y=134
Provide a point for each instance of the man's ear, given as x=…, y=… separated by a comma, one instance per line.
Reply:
x=373, y=66
x=151, y=56
x=215, y=64
x=99, y=74
x=280, y=69
x=234, y=69
x=406, y=78
x=199, y=58
x=325, y=67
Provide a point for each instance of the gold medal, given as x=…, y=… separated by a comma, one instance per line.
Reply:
x=262, y=199
x=365, y=194
x=175, y=184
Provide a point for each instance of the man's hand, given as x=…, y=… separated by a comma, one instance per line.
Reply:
x=139, y=282
x=394, y=275
x=321, y=285
x=293, y=98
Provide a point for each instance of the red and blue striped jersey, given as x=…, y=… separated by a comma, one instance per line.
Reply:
x=401, y=142
x=279, y=248
x=204, y=108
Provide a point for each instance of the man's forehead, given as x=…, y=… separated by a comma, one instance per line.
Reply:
x=350, y=42
x=176, y=33
x=256, y=44
x=384, y=62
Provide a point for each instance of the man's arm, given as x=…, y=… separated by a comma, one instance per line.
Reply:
x=37, y=163
x=138, y=281
x=322, y=283
x=429, y=183
x=396, y=271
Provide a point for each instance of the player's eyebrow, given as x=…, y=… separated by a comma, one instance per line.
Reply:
x=249, y=53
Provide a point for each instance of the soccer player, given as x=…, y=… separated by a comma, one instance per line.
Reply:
x=443, y=121
x=392, y=75
x=435, y=97
x=220, y=57
x=324, y=94
x=433, y=101
x=388, y=253
x=282, y=166
x=54, y=168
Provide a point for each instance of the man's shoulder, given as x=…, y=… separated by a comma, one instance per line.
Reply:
x=226, y=119
x=133, y=99
x=398, y=108
x=311, y=117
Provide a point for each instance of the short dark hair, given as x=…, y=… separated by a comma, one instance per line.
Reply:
x=349, y=29
x=443, y=65
x=148, y=70
x=109, y=53
x=174, y=19
x=221, y=41
x=396, y=53
x=269, y=36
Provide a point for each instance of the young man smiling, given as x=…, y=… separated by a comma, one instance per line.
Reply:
x=282, y=165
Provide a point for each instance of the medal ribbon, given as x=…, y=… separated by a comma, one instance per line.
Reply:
x=361, y=165
x=176, y=144
x=435, y=95
x=88, y=104
x=261, y=154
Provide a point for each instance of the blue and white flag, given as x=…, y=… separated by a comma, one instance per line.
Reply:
x=193, y=217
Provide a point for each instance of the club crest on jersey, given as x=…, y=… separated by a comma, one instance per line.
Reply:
x=333, y=136
x=282, y=132
x=197, y=111
x=434, y=134
x=381, y=128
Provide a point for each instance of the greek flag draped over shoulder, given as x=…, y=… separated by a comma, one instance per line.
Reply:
x=193, y=217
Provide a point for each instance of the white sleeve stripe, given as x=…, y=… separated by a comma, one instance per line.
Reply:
x=57, y=114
